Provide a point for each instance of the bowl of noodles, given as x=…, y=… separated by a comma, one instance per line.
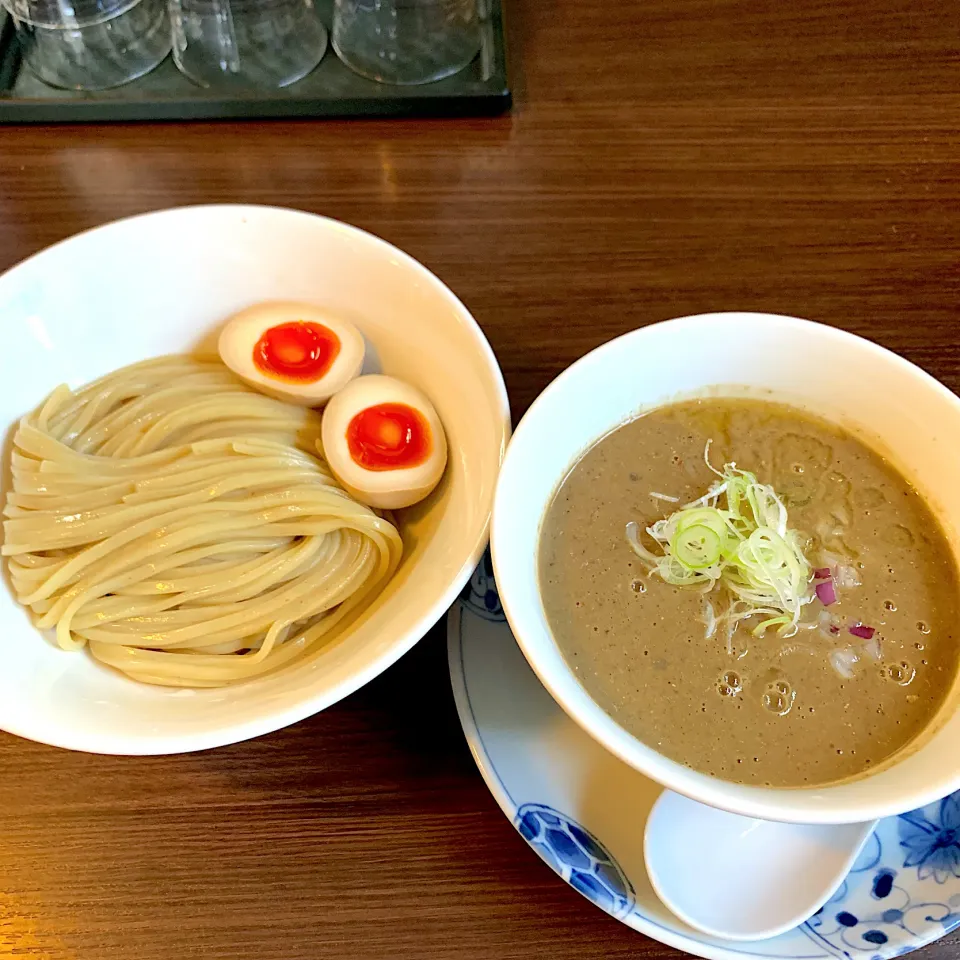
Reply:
x=182, y=569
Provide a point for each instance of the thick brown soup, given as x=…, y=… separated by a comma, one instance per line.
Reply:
x=777, y=710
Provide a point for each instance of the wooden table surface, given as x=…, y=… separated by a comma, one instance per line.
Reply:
x=665, y=157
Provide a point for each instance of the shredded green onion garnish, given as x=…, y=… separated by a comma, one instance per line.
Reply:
x=735, y=538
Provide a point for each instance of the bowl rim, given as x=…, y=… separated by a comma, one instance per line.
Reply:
x=276, y=719
x=614, y=738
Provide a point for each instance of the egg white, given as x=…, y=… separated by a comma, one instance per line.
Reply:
x=384, y=489
x=242, y=331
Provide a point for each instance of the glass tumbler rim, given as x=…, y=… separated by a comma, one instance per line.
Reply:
x=63, y=15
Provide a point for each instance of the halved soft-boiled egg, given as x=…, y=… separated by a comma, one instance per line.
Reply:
x=384, y=442
x=294, y=351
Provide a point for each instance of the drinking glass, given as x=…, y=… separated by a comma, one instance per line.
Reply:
x=246, y=43
x=90, y=44
x=406, y=41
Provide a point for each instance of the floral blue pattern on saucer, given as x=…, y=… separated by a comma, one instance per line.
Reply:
x=906, y=881
x=932, y=840
x=577, y=856
x=582, y=811
x=480, y=595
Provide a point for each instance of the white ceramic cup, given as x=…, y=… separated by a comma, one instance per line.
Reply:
x=896, y=407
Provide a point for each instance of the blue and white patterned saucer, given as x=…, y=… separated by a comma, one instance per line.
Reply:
x=583, y=811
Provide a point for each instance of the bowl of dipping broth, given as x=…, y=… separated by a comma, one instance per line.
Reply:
x=728, y=546
x=250, y=459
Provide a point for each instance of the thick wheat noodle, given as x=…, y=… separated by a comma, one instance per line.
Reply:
x=185, y=528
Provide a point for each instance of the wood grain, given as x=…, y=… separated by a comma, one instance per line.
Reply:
x=665, y=157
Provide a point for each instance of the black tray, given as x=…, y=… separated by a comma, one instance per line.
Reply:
x=331, y=90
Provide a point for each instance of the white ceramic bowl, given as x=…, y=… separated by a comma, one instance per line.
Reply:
x=897, y=407
x=162, y=283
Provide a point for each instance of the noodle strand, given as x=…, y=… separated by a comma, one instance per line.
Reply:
x=186, y=528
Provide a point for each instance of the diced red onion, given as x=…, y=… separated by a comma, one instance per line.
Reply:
x=844, y=660
x=847, y=575
x=821, y=573
x=872, y=648
x=862, y=631
x=828, y=628
x=826, y=592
